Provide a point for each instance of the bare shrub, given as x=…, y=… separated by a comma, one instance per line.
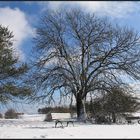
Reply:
x=11, y=114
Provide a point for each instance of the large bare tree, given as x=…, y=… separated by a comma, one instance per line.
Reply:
x=78, y=53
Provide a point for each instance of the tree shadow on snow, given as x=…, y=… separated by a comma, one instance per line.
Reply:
x=38, y=127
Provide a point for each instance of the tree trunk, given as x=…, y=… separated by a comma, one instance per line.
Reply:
x=81, y=109
x=114, y=117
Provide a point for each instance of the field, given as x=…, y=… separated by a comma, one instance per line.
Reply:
x=33, y=126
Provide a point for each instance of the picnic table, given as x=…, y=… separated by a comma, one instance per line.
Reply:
x=61, y=118
x=129, y=119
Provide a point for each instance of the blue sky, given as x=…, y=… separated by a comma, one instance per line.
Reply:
x=22, y=18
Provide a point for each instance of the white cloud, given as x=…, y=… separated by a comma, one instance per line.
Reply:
x=114, y=9
x=17, y=22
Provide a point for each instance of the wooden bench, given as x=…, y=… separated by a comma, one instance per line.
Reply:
x=129, y=119
x=61, y=118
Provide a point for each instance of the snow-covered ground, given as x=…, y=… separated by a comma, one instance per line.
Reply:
x=33, y=126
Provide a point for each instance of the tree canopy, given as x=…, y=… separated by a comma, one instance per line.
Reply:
x=11, y=70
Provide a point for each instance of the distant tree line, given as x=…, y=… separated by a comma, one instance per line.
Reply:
x=57, y=109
